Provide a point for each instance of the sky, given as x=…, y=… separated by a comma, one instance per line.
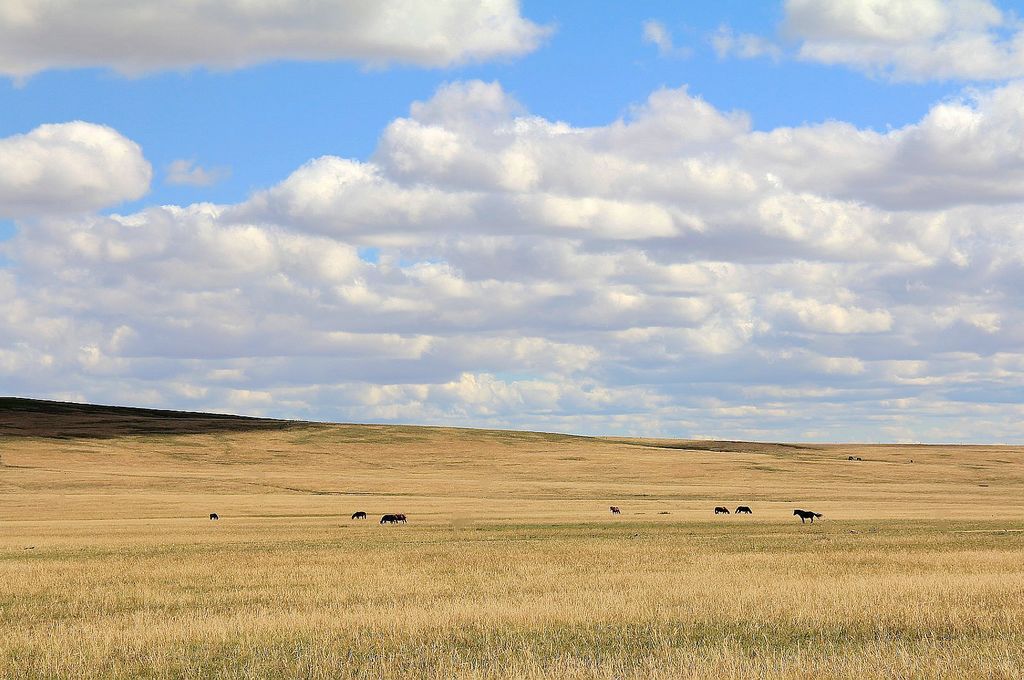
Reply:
x=797, y=220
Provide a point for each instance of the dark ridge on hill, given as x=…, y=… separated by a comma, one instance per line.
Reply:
x=64, y=420
x=715, y=445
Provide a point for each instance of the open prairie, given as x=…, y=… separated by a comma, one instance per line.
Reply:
x=511, y=564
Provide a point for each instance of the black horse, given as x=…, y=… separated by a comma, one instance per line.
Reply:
x=359, y=515
x=721, y=511
x=806, y=514
x=744, y=510
x=389, y=519
x=213, y=515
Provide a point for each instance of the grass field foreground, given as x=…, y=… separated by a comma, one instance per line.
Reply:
x=511, y=564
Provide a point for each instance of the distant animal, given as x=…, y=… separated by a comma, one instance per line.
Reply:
x=854, y=458
x=721, y=511
x=389, y=519
x=359, y=515
x=615, y=510
x=213, y=515
x=400, y=517
x=806, y=514
x=744, y=510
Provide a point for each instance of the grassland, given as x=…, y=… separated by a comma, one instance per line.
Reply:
x=511, y=564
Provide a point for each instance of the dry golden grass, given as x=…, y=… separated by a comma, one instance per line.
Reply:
x=511, y=564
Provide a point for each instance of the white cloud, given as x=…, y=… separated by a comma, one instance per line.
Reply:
x=726, y=43
x=890, y=21
x=670, y=272
x=153, y=35
x=828, y=317
x=839, y=365
x=67, y=168
x=966, y=150
x=910, y=40
x=187, y=172
x=657, y=34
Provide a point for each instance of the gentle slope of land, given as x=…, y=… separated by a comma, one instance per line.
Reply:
x=511, y=564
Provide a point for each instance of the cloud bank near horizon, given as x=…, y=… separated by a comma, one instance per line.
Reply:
x=670, y=272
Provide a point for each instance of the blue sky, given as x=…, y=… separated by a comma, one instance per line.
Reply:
x=781, y=220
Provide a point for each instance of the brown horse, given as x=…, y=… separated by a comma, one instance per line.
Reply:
x=806, y=514
x=400, y=517
x=721, y=510
x=615, y=510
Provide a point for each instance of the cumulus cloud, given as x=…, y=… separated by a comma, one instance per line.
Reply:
x=829, y=317
x=910, y=40
x=965, y=150
x=69, y=167
x=187, y=172
x=152, y=35
x=669, y=272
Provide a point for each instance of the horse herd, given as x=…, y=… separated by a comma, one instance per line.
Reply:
x=385, y=519
x=743, y=510
x=616, y=510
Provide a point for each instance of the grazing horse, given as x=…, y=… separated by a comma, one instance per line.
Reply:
x=359, y=515
x=213, y=515
x=744, y=510
x=806, y=514
x=400, y=517
x=389, y=519
x=615, y=510
x=721, y=511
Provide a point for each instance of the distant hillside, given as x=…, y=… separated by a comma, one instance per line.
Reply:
x=62, y=460
x=38, y=418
